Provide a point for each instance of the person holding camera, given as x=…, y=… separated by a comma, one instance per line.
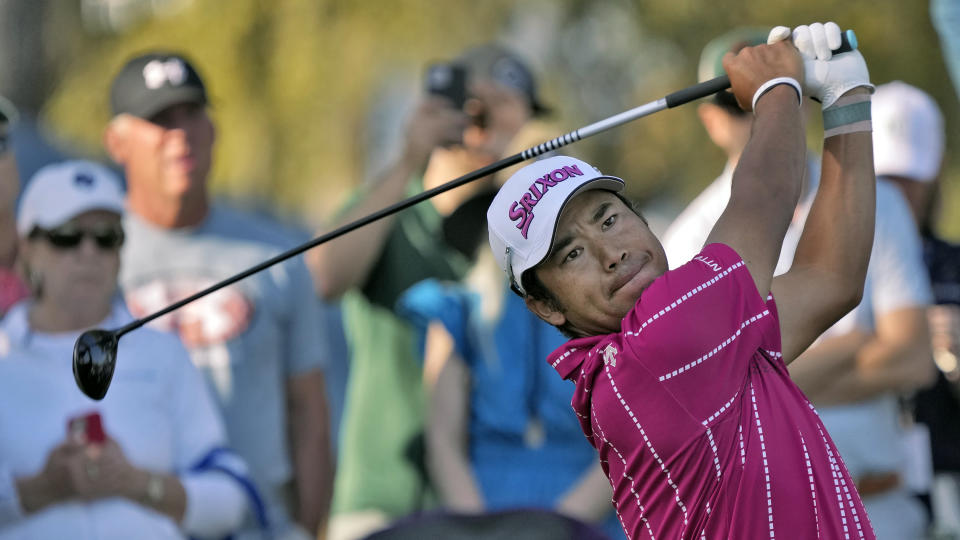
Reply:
x=148, y=461
x=450, y=132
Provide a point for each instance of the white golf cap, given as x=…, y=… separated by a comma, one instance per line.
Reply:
x=60, y=192
x=523, y=216
x=908, y=133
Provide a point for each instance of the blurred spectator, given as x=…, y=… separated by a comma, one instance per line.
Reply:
x=148, y=460
x=499, y=431
x=946, y=19
x=260, y=342
x=859, y=368
x=12, y=288
x=380, y=474
x=908, y=141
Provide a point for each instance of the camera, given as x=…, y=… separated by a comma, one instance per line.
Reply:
x=448, y=80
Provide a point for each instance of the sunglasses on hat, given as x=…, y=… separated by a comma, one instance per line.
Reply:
x=107, y=237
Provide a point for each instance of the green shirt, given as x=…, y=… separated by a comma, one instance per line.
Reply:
x=384, y=410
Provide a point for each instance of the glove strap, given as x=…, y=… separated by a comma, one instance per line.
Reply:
x=767, y=86
x=848, y=114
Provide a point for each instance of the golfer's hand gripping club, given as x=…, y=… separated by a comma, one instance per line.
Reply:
x=847, y=43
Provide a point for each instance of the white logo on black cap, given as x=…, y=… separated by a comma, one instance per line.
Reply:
x=158, y=72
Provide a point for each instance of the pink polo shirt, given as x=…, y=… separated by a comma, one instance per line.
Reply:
x=699, y=427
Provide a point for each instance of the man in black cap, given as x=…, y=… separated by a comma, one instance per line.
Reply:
x=261, y=343
x=377, y=471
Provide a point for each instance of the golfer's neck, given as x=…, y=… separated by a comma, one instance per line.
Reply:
x=169, y=213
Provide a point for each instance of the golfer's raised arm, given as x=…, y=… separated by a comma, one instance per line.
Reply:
x=767, y=180
x=830, y=265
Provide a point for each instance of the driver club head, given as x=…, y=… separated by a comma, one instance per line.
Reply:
x=94, y=359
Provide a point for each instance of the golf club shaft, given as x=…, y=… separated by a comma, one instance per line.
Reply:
x=677, y=98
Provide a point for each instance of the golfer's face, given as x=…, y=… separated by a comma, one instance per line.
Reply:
x=602, y=259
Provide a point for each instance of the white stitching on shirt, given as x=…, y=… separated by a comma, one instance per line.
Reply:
x=846, y=489
x=636, y=495
x=716, y=349
x=716, y=456
x=649, y=444
x=763, y=454
x=836, y=485
x=698, y=288
x=714, y=416
x=713, y=444
x=564, y=355
x=813, y=489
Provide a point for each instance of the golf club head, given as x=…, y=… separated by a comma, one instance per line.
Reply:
x=94, y=359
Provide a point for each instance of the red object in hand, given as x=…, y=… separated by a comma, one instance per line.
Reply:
x=87, y=429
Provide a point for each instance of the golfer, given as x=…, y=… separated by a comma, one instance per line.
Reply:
x=681, y=377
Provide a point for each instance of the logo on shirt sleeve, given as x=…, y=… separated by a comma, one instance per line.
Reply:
x=708, y=261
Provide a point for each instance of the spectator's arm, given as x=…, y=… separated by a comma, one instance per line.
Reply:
x=213, y=481
x=897, y=359
x=346, y=262
x=305, y=355
x=311, y=451
x=590, y=498
x=447, y=417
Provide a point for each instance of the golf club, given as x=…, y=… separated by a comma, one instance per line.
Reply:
x=95, y=352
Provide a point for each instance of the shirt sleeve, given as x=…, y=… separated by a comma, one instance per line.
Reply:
x=705, y=314
x=306, y=333
x=212, y=476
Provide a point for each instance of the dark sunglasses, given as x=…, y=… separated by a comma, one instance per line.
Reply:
x=69, y=236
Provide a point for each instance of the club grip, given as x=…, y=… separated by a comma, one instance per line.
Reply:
x=848, y=42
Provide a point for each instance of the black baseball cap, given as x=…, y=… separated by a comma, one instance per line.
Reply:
x=149, y=83
x=497, y=63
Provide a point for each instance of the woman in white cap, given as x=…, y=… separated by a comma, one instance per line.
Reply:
x=147, y=461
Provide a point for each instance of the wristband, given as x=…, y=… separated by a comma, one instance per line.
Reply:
x=765, y=87
x=849, y=114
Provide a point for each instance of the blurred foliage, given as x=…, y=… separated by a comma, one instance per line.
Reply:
x=293, y=82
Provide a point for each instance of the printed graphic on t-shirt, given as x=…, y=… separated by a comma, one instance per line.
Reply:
x=212, y=320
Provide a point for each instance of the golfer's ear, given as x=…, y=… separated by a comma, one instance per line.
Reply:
x=545, y=311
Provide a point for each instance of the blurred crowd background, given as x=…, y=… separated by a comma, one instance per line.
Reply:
x=308, y=96
x=311, y=104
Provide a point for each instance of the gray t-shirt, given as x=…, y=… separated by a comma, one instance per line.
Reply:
x=247, y=339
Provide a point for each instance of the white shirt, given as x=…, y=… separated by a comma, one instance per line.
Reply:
x=158, y=409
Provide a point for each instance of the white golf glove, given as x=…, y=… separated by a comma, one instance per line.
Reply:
x=826, y=77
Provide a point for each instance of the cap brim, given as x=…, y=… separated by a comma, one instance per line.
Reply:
x=169, y=98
